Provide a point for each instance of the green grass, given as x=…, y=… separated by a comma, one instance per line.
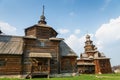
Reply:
x=81, y=77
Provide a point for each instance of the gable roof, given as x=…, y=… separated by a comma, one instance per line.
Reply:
x=65, y=50
x=11, y=45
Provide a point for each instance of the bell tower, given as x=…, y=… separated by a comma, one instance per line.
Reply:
x=90, y=49
x=89, y=44
x=41, y=30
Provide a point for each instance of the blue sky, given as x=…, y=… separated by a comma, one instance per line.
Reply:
x=72, y=19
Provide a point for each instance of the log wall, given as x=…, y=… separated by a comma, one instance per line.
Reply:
x=10, y=65
x=102, y=66
x=68, y=64
x=34, y=45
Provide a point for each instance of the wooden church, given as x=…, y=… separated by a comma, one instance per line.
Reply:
x=92, y=61
x=39, y=52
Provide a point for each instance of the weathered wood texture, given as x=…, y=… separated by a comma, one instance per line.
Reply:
x=102, y=66
x=39, y=39
x=44, y=46
x=94, y=59
x=41, y=31
x=86, y=66
x=40, y=65
x=11, y=45
x=42, y=43
x=68, y=64
x=12, y=65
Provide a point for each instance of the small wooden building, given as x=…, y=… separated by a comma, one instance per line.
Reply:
x=92, y=61
x=39, y=52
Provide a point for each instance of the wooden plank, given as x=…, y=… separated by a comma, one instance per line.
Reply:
x=12, y=45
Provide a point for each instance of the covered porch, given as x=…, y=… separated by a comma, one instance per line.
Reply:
x=40, y=64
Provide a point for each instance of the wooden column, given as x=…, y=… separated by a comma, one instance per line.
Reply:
x=48, y=67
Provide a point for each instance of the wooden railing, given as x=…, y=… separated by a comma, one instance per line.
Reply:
x=40, y=68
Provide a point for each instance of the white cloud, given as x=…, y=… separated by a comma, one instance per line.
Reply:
x=7, y=28
x=99, y=44
x=109, y=32
x=76, y=43
x=73, y=40
x=108, y=39
x=63, y=31
x=77, y=31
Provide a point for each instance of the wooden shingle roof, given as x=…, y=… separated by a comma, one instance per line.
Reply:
x=11, y=45
x=65, y=50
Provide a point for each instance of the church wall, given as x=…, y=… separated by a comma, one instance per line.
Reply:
x=44, y=46
x=68, y=64
x=10, y=65
x=97, y=66
x=30, y=31
x=109, y=69
x=43, y=32
x=102, y=66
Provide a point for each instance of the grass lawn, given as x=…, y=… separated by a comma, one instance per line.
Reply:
x=81, y=77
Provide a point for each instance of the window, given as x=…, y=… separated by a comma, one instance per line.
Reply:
x=2, y=62
x=42, y=44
